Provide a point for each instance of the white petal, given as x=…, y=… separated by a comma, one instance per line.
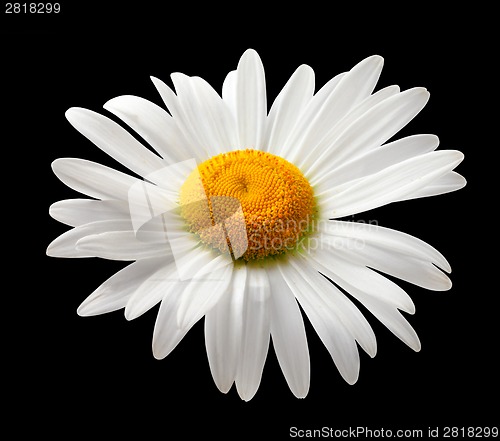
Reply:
x=323, y=316
x=204, y=291
x=251, y=100
x=229, y=92
x=451, y=181
x=124, y=245
x=115, y=141
x=375, y=292
x=289, y=335
x=419, y=272
x=204, y=115
x=389, y=185
x=186, y=109
x=102, y=182
x=287, y=108
x=378, y=159
x=217, y=116
x=167, y=334
x=66, y=244
x=321, y=152
x=360, y=80
x=256, y=333
x=94, y=180
x=292, y=146
x=354, y=87
x=152, y=290
x=115, y=292
x=75, y=212
x=153, y=123
x=183, y=305
x=187, y=141
x=223, y=331
x=360, y=277
x=386, y=239
x=379, y=295
x=373, y=128
x=393, y=320
x=346, y=311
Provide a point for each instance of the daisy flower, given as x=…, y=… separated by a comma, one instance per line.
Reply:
x=234, y=215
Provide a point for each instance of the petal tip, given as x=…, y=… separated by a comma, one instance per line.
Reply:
x=158, y=354
x=110, y=105
x=128, y=314
x=351, y=376
x=158, y=84
x=464, y=183
x=74, y=112
x=55, y=164
x=377, y=60
x=250, y=52
x=351, y=381
x=301, y=393
x=372, y=352
x=69, y=112
x=50, y=251
x=224, y=388
x=246, y=395
x=250, y=55
x=83, y=310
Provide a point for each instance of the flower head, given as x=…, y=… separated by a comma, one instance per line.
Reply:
x=236, y=218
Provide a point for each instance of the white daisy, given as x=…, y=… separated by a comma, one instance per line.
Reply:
x=233, y=219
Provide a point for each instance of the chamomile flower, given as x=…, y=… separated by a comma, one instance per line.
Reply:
x=236, y=215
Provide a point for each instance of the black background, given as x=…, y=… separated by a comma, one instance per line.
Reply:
x=74, y=375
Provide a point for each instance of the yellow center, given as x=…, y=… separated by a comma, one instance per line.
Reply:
x=247, y=202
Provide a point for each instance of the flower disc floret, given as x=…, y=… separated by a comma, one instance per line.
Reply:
x=266, y=194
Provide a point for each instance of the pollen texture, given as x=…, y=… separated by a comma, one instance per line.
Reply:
x=247, y=202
